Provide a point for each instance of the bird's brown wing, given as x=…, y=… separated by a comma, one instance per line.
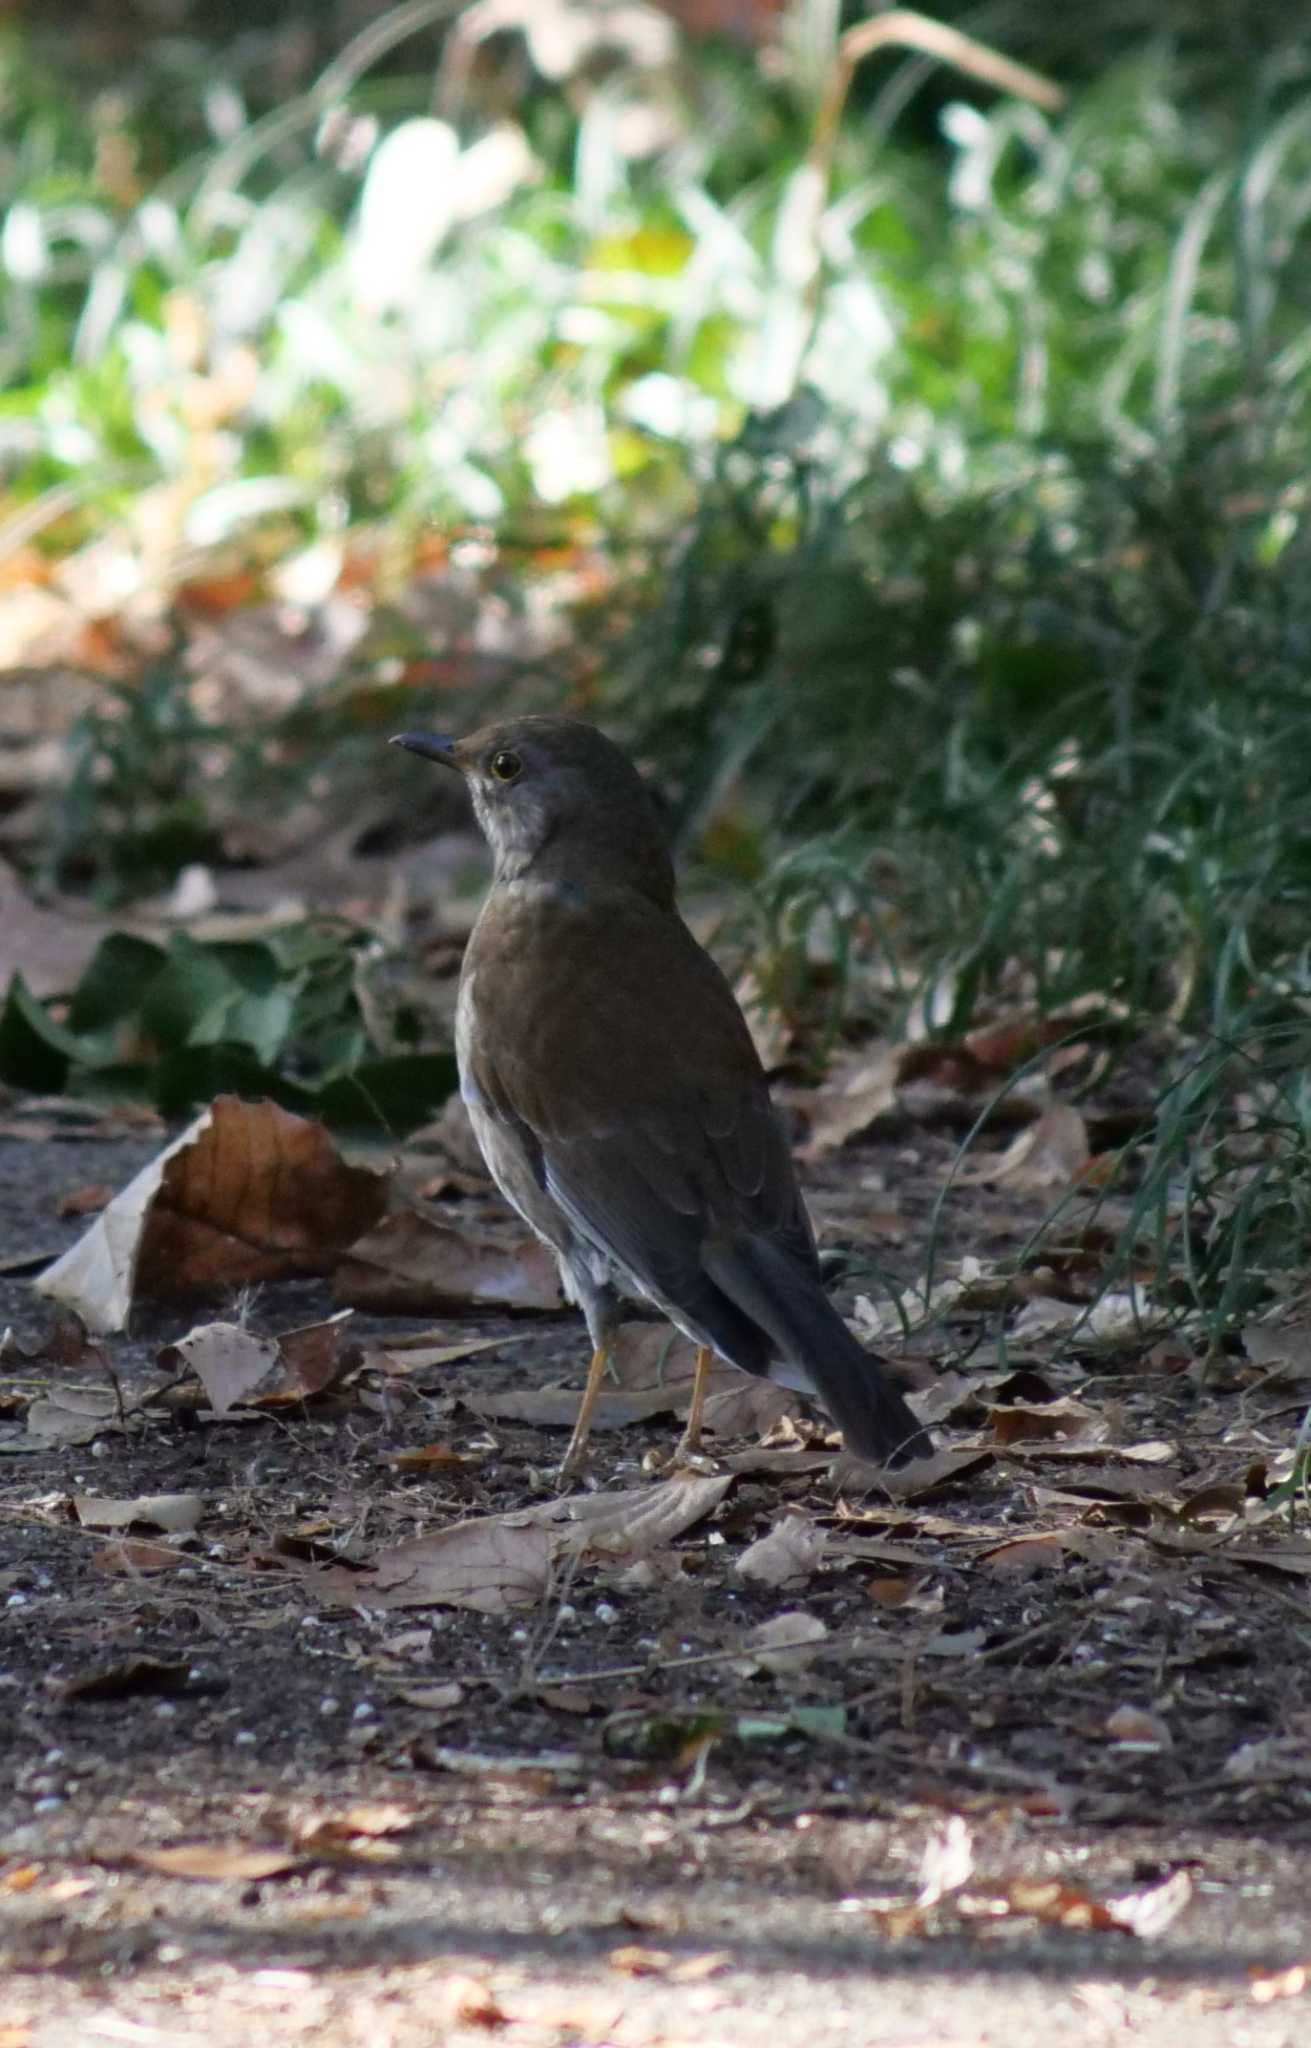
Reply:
x=615, y=1046
x=615, y=1052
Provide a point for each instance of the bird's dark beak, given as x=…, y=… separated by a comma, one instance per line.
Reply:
x=434, y=746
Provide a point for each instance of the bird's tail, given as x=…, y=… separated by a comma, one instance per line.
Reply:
x=789, y=1304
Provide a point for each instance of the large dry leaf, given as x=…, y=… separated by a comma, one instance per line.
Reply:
x=248, y=1193
x=175, y=1513
x=500, y=1562
x=413, y=1263
x=492, y=1565
x=633, y=1523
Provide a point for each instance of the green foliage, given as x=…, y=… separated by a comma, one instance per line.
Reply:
x=968, y=492
x=176, y=1025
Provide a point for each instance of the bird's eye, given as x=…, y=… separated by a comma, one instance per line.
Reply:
x=505, y=765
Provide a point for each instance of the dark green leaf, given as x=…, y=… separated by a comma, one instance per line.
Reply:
x=35, y=1052
x=392, y=1096
x=194, y=1074
x=115, y=983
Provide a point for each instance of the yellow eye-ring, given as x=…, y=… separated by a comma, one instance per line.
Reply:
x=505, y=765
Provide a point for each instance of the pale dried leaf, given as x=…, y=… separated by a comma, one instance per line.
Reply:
x=631, y=1524
x=175, y=1514
x=492, y=1565
x=129, y=1558
x=1050, y=1153
x=215, y=1861
x=785, y=1643
x=247, y=1193
x=858, y=1094
x=787, y=1555
x=230, y=1362
x=413, y=1263
x=74, y=1415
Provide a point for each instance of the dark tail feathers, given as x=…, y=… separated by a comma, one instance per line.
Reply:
x=788, y=1302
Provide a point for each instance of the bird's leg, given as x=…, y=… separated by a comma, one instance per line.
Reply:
x=690, y=1442
x=573, y=1457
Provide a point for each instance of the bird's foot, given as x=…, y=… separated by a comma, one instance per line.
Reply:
x=685, y=1457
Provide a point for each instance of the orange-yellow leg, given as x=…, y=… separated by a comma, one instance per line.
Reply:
x=573, y=1457
x=690, y=1441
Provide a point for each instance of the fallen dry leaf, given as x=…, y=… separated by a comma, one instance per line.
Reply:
x=230, y=1362
x=491, y=1565
x=413, y=1263
x=175, y=1514
x=499, y=1562
x=1050, y=1153
x=786, y=1555
x=369, y=1820
x=405, y=1356
x=129, y=1558
x=213, y=1862
x=234, y=1365
x=248, y=1193
x=858, y=1095
x=785, y=1643
x=921, y=1476
x=433, y=1699
x=76, y=1415
x=626, y=1525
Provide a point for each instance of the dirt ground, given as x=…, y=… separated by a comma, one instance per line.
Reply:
x=600, y=1818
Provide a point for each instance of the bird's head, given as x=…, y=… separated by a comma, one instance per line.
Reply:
x=557, y=799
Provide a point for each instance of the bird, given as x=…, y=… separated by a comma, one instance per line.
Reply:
x=617, y=1095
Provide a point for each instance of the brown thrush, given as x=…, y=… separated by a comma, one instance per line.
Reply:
x=617, y=1095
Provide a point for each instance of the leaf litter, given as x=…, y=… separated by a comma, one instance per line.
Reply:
x=991, y=1542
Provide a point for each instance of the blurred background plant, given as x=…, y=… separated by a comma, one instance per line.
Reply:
x=908, y=456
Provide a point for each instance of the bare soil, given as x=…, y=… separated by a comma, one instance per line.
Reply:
x=561, y=1850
